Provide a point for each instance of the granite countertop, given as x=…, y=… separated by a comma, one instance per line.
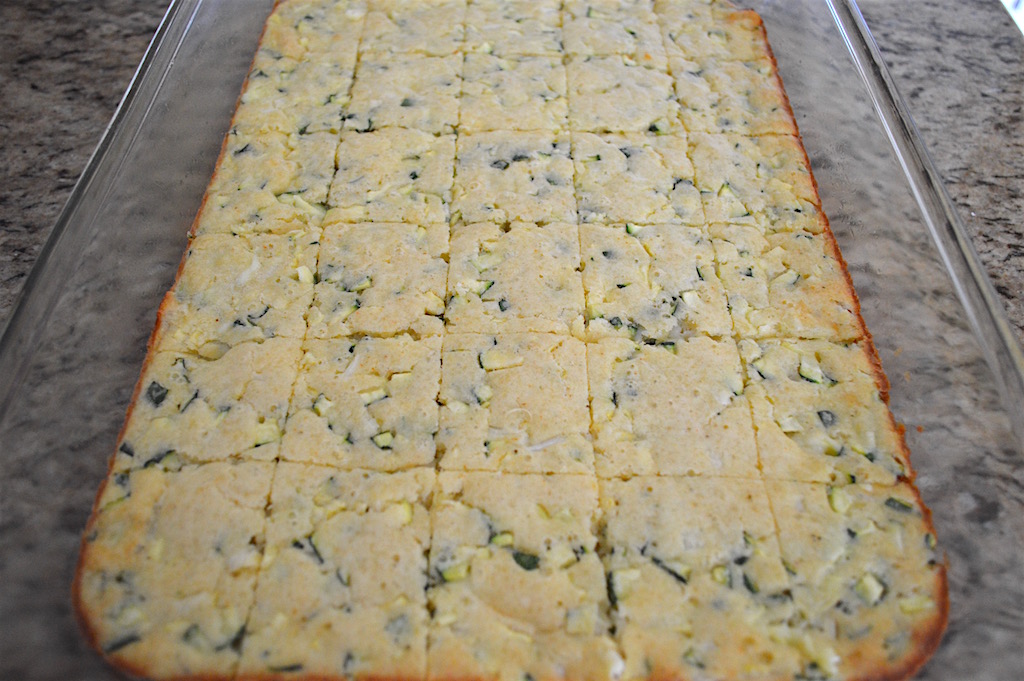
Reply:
x=64, y=65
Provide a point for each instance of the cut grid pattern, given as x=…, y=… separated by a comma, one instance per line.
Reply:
x=535, y=365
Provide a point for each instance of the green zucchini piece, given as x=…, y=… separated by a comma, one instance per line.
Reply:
x=527, y=561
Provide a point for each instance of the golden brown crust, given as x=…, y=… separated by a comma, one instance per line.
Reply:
x=84, y=623
x=926, y=639
x=867, y=340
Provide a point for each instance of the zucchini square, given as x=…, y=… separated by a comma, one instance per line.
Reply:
x=820, y=414
x=504, y=176
x=764, y=181
x=513, y=93
x=617, y=94
x=297, y=164
x=514, y=402
x=785, y=285
x=670, y=408
x=315, y=28
x=234, y=289
x=867, y=582
x=528, y=535
x=379, y=279
x=744, y=97
x=405, y=91
x=247, y=212
x=699, y=30
x=193, y=409
x=303, y=68
x=635, y=177
x=289, y=96
x=651, y=282
x=393, y=175
x=435, y=28
x=518, y=277
x=341, y=585
x=602, y=31
x=697, y=583
x=159, y=586
x=365, y=402
x=514, y=28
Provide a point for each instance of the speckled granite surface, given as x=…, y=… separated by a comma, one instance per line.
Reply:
x=64, y=65
x=960, y=67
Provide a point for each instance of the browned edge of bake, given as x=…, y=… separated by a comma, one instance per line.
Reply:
x=76, y=585
x=926, y=640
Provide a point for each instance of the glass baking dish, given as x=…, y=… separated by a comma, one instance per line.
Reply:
x=71, y=352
